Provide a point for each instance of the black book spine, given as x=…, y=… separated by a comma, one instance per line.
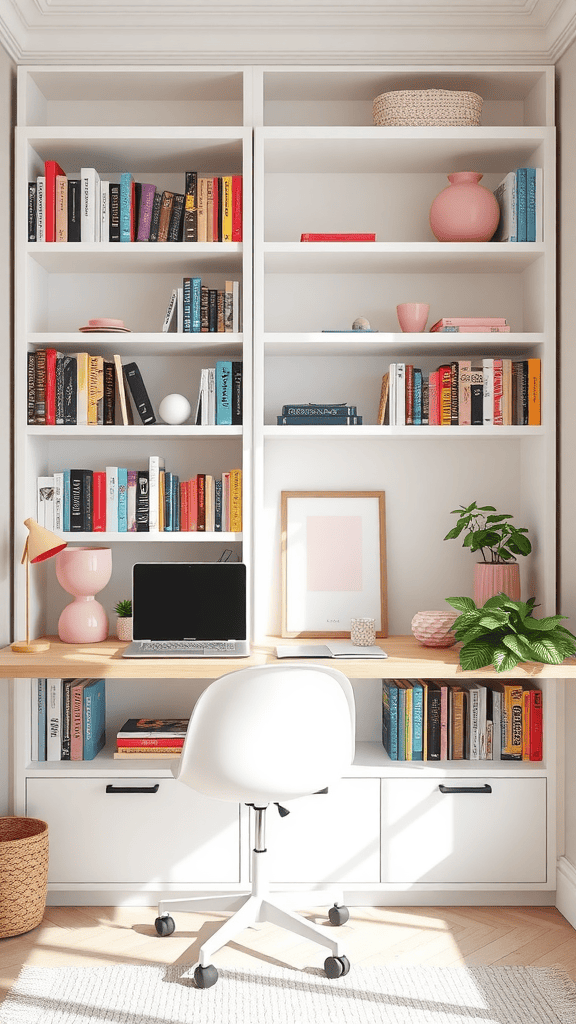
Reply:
x=32, y=191
x=433, y=724
x=109, y=393
x=524, y=407
x=59, y=389
x=476, y=405
x=137, y=198
x=142, y=501
x=70, y=390
x=76, y=499
x=204, y=303
x=155, y=218
x=87, y=499
x=176, y=218
x=66, y=718
x=114, y=201
x=212, y=309
x=236, y=394
x=31, y=387
x=139, y=394
x=74, y=210
x=191, y=207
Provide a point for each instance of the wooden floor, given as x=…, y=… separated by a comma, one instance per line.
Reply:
x=443, y=936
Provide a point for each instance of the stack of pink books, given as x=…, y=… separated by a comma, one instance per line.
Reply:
x=472, y=324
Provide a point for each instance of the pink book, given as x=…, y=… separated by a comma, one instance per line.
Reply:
x=324, y=237
x=464, y=402
x=463, y=321
x=444, y=723
x=498, y=393
x=434, y=399
x=193, y=504
x=473, y=329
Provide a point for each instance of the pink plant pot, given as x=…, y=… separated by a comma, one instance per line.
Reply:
x=83, y=572
x=490, y=580
x=465, y=211
x=412, y=316
x=434, y=628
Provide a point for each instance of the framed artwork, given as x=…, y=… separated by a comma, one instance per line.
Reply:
x=333, y=562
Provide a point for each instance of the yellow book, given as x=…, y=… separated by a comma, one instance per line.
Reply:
x=95, y=414
x=227, y=208
x=81, y=388
x=161, y=498
x=534, y=393
x=409, y=720
x=236, y=501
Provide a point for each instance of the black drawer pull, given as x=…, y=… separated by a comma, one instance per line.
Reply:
x=465, y=789
x=133, y=789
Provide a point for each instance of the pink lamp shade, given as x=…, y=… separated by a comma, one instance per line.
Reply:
x=83, y=572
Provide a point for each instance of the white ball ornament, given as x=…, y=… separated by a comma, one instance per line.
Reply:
x=174, y=409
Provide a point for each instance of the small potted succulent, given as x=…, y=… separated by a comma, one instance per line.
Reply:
x=492, y=535
x=124, y=621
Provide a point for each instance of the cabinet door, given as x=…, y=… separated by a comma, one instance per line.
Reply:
x=168, y=834
x=475, y=836
x=328, y=837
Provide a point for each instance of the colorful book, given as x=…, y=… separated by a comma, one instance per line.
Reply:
x=346, y=237
x=93, y=718
x=90, y=204
x=52, y=170
x=145, y=216
x=224, y=392
x=127, y=201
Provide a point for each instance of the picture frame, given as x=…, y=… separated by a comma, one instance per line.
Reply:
x=333, y=551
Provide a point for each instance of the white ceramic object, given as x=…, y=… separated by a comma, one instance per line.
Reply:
x=174, y=409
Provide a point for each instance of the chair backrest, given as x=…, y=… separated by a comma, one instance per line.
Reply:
x=270, y=733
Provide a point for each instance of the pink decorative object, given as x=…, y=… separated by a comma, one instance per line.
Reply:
x=83, y=572
x=490, y=580
x=434, y=629
x=464, y=211
x=412, y=316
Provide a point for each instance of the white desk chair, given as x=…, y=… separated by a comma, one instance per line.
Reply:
x=259, y=736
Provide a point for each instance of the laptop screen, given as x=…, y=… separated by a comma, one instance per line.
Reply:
x=189, y=601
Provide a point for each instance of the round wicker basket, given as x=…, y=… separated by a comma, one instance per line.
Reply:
x=416, y=107
x=23, y=874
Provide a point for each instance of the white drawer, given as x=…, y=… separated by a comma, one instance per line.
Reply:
x=474, y=836
x=159, y=830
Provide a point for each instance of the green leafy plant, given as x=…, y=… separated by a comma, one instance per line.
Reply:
x=491, y=534
x=503, y=633
x=124, y=609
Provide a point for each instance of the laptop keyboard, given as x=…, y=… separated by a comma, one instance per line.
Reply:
x=148, y=646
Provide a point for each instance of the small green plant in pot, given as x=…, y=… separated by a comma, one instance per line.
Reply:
x=499, y=542
x=504, y=633
x=124, y=621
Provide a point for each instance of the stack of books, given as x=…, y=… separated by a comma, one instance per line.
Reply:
x=472, y=325
x=195, y=308
x=68, y=719
x=519, y=196
x=151, y=737
x=476, y=721
x=337, y=414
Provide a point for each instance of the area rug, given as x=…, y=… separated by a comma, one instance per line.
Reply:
x=273, y=995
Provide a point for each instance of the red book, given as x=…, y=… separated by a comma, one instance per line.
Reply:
x=236, y=207
x=99, y=501
x=184, y=507
x=323, y=237
x=215, y=212
x=51, y=169
x=50, y=386
x=535, y=725
x=151, y=741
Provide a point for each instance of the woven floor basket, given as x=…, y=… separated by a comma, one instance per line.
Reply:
x=23, y=874
x=416, y=107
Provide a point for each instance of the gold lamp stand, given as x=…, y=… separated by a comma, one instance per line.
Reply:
x=40, y=545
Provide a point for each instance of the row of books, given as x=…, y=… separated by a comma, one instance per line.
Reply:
x=334, y=414
x=471, y=325
x=195, y=308
x=475, y=721
x=499, y=392
x=151, y=500
x=91, y=209
x=68, y=719
x=151, y=737
x=220, y=395
x=519, y=196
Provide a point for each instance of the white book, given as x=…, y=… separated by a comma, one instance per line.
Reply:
x=40, y=208
x=104, y=211
x=392, y=387
x=507, y=392
x=496, y=725
x=210, y=498
x=89, y=205
x=170, y=320
x=111, y=499
x=400, y=394
x=45, y=491
x=156, y=464
x=211, y=386
x=34, y=718
x=235, y=307
x=54, y=720
x=180, y=310
x=505, y=193
x=59, y=502
x=488, y=391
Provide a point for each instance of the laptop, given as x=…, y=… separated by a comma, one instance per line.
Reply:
x=188, y=610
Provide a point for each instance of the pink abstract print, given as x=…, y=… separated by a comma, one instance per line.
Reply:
x=334, y=553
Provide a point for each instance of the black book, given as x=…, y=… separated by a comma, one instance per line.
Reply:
x=67, y=685
x=74, y=210
x=236, y=394
x=32, y=193
x=176, y=218
x=476, y=404
x=109, y=393
x=114, y=223
x=59, y=390
x=76, y=500
x=155, y=218
x=220, y=209
x=87, y=499
x=204, y=303
x=432, y=724
x=142, y=501
x=31, y=387
x=137, y=203
x=70, y=390
x=142, y=402
x=190, y=233
x=212, y=309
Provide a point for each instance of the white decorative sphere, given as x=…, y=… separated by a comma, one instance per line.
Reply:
x=175, y=409
x=361, y=324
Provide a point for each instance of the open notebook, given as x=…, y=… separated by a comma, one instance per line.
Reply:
x=330, y=649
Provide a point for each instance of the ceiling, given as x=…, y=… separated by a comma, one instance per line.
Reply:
x=287, y=31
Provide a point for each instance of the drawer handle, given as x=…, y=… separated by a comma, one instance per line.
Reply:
x=133, y=789
x=465, y=789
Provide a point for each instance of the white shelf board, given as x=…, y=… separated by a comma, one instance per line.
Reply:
x=400, y=257
x=149, y=344
x=359, y=343
x=115, y=433
x=135, y=257
x=372, y=760
x=372, y=430
x=145, y=537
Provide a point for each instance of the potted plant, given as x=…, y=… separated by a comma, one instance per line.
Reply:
x=124, y=621
x=503, y=633
x=492, y=534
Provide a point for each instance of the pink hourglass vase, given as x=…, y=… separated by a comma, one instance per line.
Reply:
x=83, y=572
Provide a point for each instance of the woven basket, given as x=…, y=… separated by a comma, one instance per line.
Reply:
x=23, y=874
x=416, y=107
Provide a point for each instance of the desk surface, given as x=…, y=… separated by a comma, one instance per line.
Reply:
x=406, y=659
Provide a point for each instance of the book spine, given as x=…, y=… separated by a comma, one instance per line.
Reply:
x=70, y=390
x=104, y=211
x=54, y=720
x=236, y=393
x=190, y=207
x=236, y=207
x=187, y=303
x=235, y=500
x=176, y=218
x=139, y=394
x=93, y=718
x=42, y=716
x=145, y=218
x=32, y=194
x=76, y=499
x=40, y=387
x=476, y=397
x=530, y=204
x=131, y=501
x=50, y=415
x=454, y=394
x=417, y=721
x=155, y=464
x=122, y=499
x=319, y=410
x=142, y=502
x=332, y=421
x=59, y=397
x=40, y=208
x=82, y=388
x=196, y=305
x=112, y=499
x=521, y=203
x=51, y=170
x=227, y=208
x=76, y=732
x=535, y=745
x=155, y=217
x=534, y=392
x=109, y=405
x=443, y=723
x=212, y=310
x=127, y=198
x=31, y=382
x=90, y=186
x=165, y=214
x=512, y=723
x=114, y=205
x=99, y=501
x=224, y=393
x=59, y=502
x=489, y=392
x=61, y=201
x=87, y=500
x=66, y=501
x=67, y=685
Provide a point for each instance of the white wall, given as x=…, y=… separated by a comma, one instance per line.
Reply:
x=7, y=75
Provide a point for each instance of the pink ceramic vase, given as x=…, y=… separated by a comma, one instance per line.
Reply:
x=83, y=572
x=464, y=211
x=412, y=316
x=434, y=628
x=490, y=580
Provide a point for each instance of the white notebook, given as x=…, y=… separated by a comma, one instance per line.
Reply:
x=331, y=649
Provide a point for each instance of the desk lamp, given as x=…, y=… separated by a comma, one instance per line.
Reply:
x=40, y=545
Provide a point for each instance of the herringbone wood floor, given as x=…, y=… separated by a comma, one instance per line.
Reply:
x=442, y=936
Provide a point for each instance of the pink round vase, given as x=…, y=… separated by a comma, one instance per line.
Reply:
x=434, y=628
x=490, y=580
x=83, y=572
x=412, y=316
x=464, y=211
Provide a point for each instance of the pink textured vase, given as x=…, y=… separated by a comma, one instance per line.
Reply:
x=434, y=628
x=490, y=580
x=83, y=572
x=465, y=211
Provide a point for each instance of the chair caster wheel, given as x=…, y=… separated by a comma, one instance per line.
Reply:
x=205, y=977
x=336, y=966
x=338, y=915
x=165, y=925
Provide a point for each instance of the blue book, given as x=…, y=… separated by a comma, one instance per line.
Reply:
x=417, y=720
x=122, y=500
x=224, y=393
x=218, y=506
x=187, y=304
x=401, y=721
x=521, y=203
x=175, y=502
x=168, y=509
x=390, y=718
x=417, y=408
x=93, y=718
x=530, y=204
x=126, y=210
x=196, y=304
x=41, y=697
x=66, y=501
